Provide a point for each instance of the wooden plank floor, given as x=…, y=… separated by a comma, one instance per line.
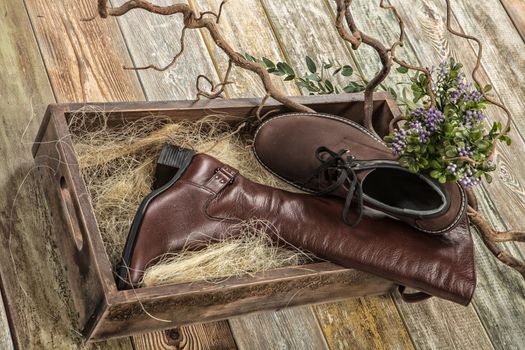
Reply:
x=48, y=54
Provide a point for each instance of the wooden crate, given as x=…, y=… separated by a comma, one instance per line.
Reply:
x=105, y=312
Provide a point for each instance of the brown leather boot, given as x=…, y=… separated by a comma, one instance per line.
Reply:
x=206, y=197
x=327, y=154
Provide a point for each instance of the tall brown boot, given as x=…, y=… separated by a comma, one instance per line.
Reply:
x=206, y=197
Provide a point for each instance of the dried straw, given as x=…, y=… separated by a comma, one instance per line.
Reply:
x=118, y=163
x=251, y=250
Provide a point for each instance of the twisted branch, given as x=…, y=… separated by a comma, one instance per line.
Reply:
x=490, y=237
x=215, y=90
x=386, y=55
x=192, y=21
x=173, y=61
x=355, y=38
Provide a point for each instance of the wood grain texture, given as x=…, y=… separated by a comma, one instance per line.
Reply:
x=83, y=59
x=6, y=342
x=516, y=11
x=498, y=296
x=246, y=27
x=154, y=39
x=363, y=323
x=373, y=20
x=205, y=336
x=33, y=278
x=307, y=28
x=439, y=324
x=291, y=328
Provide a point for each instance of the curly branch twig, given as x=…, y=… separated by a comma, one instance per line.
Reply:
x=508, y=122
x=490, y=237
x=355, y=37
x=192, y=21
x=173, y=61
x=400, y=43
x=386, y=55
x=216, y=90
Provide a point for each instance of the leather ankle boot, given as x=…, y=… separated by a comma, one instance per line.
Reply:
x=205, y=198
x=326, y=154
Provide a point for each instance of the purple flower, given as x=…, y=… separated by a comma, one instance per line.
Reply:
x=399, y=143
x=473, y=95
x=465, y=152
x=453, y=169
x=465, y=91
x=417, y=129
x=473, y=118
x=431, y=118
x=468, y=180
x=423, y=124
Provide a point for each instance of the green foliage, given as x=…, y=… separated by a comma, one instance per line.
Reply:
x=449, y=142
x=319, y=79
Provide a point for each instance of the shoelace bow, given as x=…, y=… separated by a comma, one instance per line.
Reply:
x=344, y=163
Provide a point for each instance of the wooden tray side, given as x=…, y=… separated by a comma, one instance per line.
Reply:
x=84, y=256
x=141, y=310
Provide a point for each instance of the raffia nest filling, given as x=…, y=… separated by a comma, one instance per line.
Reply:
x=118, y=165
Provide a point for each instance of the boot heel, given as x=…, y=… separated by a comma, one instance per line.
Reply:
x=172, y=160
x=172, y=163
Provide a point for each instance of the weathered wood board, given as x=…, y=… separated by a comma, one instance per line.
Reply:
x=205, y=336
x=363, y=323
x=246, y=27
x=516, y=11
x=292, y=328
x=6, y=342
x=153, y=39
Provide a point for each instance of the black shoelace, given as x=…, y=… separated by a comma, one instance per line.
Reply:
x=344, y=163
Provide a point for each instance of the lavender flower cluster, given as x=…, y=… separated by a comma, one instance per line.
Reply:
x=465, y=91
x=465, y=152
x=473, y=118
x=466, y=178
x=438, y=140
x=423, y=124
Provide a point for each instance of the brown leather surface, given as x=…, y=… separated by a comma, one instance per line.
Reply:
x=286, y=146
x=203, y=203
